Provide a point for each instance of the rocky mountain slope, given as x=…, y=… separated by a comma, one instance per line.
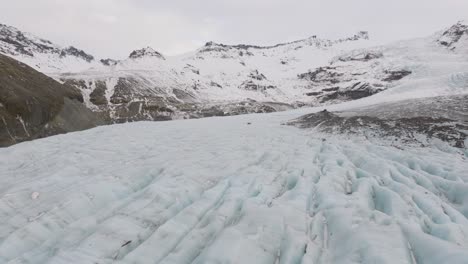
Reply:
x=219, y=79
x=41, y=54
x=437, y=62
x=411, y=121
x=215, y=80
x=33, y=105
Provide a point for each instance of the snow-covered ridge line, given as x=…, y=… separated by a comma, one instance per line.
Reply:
x=145, y=52
x=308, y=72
x=359, y=35
x=48, y=57
x=41, y=54
x=17, y=42
x=452, y=36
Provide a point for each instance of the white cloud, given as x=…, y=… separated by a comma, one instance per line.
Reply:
x=113, y=28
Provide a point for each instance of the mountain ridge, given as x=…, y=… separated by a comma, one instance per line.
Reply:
x=33, y=105
x=31, y=45
x=220, y=80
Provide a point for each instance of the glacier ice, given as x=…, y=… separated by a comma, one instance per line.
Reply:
x=217, y=190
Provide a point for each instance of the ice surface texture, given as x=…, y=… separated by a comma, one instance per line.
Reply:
x=220, y=190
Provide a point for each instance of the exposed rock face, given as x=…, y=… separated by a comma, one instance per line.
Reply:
x=452, y=36
x=355, y=91
x=17, y=42
x=192, y=69
x=245, y=107
x=252, y=86
x=109, y=62
x=323, y=75
x=135, y=99
x=147, y=75
x=336, y=83
x=395, y=75
x=123, y=91
x=72, y=51
x=443, y=118
x=146, y=52
x=257, y=82
x=257, y=75
x=127, y=99
x=361, y=56
x=42, y=54
x=33, y=105
x=352, y=76
x=98, y=95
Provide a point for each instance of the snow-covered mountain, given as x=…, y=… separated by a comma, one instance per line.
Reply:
x=220, y=79
x=41, y=54
x=456, y=37
x=436, y=63
x=216, y=79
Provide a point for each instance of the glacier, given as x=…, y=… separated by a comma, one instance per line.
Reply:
x=242, y=189
x=251, y=188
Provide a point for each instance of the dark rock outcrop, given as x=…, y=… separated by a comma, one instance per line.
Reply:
x=452, y=35
x=355, y=91
x=20, y=43
x=244, y=107
x=322, y=75
x=257, y=75
x=145, y=52
x=72, y=51
x=123, y=91
x=98, y=95
x=427, y=118
x=252, y=86
x=33, y=105
x=192, y=69
x=14, y=42
x=349, y=77
x=360, y=56
x=109, y=62
x=396, y=75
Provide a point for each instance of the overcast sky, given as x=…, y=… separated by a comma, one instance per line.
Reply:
x=113, y=28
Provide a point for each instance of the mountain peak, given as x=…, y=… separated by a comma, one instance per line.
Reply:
x=109, y=62
x=363, y=34
x=145, y=52
x=452, y=35
x=41, y=54
x=72, y=51
x=15, y=42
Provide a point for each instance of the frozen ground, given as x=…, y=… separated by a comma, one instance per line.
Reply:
x=221, y=190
